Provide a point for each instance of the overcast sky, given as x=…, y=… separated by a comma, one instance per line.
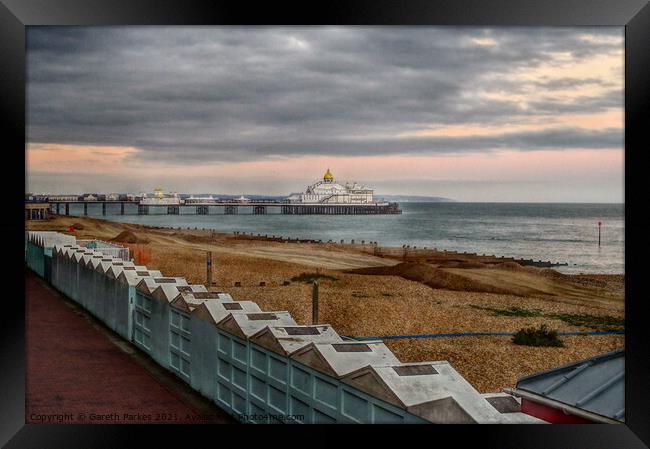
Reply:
x=473, y=114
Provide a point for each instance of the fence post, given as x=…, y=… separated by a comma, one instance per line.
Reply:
x=314, y=302
x=209, y=269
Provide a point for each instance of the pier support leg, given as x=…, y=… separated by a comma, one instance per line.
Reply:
x=85, y=208
x=57, y=208
x=121, y=208
x=67, y=208
x=103, y=208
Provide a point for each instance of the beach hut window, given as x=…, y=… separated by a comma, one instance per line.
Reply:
x=185, y=323
x=232, y=306
x=351, y=348
x=176, y=319
x=176, y=340
x=185, y=367
x=175, y=360
x=415, y=370
x=185, y=345
x=141, y=273
x=262, y=316
x=505, y=404
x=165, y=280
x=205, y=295
x=184, y=288
x=130, y=268
x=302, y=330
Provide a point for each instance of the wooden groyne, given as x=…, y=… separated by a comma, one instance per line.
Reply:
x=407, y=252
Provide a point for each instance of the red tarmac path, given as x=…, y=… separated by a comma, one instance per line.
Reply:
x=77, y=371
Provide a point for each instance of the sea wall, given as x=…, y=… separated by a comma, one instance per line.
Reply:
x=259, y=366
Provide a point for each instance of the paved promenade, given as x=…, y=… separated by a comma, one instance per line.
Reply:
x=80, y=372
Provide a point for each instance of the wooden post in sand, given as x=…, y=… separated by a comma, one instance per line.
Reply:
x=314, y=302
x=599, y=224
x=209, y=269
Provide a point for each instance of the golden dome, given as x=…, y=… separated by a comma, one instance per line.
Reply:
x=328, y=175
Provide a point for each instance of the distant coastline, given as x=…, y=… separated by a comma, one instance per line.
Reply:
x=416, y=199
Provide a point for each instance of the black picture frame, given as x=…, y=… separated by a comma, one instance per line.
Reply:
x=634, y=15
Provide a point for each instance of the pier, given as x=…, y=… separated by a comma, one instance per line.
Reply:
x=230, y=207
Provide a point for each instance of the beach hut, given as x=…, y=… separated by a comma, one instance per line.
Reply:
x=88, y=280
x=151, y=316
x=338, y=359
x=90, y=294
x=233, y=359
x=285, y=340
x=207, y=309
x=122, y=295
x=58, y=267
x=315, y=389
x=270, y=369
x=180, y=331
x=62, y=268
x=431, y=391
x=38, y=250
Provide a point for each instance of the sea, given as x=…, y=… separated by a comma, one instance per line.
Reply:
x=557, y=232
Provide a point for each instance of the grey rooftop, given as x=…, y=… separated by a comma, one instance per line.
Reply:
x=596, y=385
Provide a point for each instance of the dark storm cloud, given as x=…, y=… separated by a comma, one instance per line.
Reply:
x=209, y=94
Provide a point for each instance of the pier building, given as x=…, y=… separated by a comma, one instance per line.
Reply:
x=328, y=191
x=160, y=199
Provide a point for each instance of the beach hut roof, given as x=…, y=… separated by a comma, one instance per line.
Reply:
x=69, y=251
x=95, y=261
x=285, y=340
x=47, y=239
x=105, y=264
x=215, y=310
x=243, y=325
x=434, y=391
x=114, y=270
x=595, y=385
x=133, y=277
x=148, y=285
x=188, y=300
x=78, y=255
x=339, y=359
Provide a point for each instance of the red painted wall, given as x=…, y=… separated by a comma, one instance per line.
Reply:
x=550, y=414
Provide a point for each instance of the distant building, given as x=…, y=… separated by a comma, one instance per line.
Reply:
x=160, y=198
x=589, y=391
x=113, y=197
x=63, y=198
x=328, y=191
x=200, y=199
x=90, y=197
